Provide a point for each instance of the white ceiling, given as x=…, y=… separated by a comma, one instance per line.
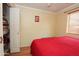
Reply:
x=54, y=7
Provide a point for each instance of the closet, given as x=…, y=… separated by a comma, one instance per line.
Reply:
x=6, y=30
x=11, y=29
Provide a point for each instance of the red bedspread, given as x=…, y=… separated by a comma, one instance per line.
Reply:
x=55, y=46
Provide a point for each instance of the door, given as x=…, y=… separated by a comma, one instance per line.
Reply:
x=14, y=30
x=1, y=32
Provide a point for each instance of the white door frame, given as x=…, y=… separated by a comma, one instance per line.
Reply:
x=1, y=32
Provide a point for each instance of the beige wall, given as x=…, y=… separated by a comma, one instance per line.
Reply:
x=30, y=29
x=60, y=25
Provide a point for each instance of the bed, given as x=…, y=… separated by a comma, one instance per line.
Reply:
x=55, y=46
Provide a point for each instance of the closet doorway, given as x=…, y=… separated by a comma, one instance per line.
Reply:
x=6, y=29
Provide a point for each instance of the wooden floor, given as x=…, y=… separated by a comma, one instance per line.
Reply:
x=25, y=51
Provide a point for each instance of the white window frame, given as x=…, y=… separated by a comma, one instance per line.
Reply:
x=68, y=24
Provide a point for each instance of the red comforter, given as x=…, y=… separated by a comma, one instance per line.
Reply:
x=55, y=46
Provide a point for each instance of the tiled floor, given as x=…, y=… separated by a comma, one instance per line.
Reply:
x=25, y=51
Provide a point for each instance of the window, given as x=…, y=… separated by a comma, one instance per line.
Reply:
x=73, y=23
